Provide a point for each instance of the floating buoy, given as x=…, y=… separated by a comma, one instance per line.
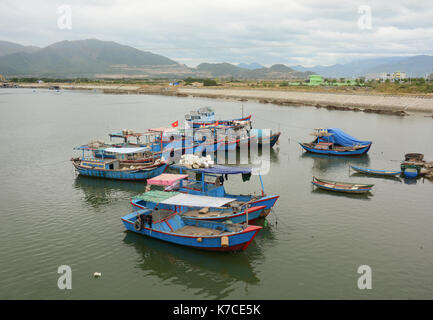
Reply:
x=97, y=274
x=199, y=239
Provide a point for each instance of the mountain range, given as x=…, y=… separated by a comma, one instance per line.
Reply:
x=106, y=59
x=413, y=66
x=227, y=70
x=7, y=47
x=93, y=58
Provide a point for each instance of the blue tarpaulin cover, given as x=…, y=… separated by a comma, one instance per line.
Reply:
x=341, y=138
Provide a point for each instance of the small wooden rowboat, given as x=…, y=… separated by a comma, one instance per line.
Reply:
x=206, y=235
x=387, y=173
x=341, y=186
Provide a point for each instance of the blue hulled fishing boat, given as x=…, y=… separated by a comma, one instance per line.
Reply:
x=337, y=143
x=191, y=206
x=211, y=183
x=171, y=227
x=115, y=168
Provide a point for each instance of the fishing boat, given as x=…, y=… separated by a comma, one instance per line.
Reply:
x=211, y=183
x=204, y=117
x=171, y=227
x=168, y=142
x=388, y=173
x=341, y=186
x=336, y=142
x=191, y=206
x=181, y=141
x=115, y=168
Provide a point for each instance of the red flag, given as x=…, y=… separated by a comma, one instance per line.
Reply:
x=217, y=123
x=175, y=124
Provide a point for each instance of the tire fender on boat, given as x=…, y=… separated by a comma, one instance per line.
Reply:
x=137, y=225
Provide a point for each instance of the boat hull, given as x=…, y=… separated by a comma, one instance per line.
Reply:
x=236, y=241
x=340, y=189
x=129, y=175
x=330, y=152
x=376, y=172
x=341, y=186
x=410, y=171
x=273, y=138
x=410, y=174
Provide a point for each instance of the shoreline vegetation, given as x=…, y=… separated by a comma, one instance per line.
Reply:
x=380, y=98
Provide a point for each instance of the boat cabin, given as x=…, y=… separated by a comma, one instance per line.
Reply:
x=324, y=145
x=125, y=154
x=201, y=115
x=110, y=164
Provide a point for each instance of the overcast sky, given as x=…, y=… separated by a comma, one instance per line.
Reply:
x=306, y=32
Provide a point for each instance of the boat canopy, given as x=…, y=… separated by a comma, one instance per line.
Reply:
x=182, y=199
x=126, y=150
x=166, y=179
x=341, y=138
x=217, y=169
x=192, y=200
x=155, y=196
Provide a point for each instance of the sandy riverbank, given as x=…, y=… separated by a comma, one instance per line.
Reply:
x=374, y=103
x=400, y=105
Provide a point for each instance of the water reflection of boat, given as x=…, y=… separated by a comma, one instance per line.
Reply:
x=323, y=162
x=211, y=274
x=89, y=183
x=99, y=192
x=410, y=181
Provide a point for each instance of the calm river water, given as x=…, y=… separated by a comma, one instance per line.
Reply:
x=311, y=249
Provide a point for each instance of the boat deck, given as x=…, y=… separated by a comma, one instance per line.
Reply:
x=196, y=213
x=198, y=231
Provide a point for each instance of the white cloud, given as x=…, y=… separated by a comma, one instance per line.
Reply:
x=193, y=31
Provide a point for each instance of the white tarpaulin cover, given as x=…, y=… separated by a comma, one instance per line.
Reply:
x=125, y=150
x=192, y=200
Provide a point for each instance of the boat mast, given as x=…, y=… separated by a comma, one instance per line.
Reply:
x=261, y=182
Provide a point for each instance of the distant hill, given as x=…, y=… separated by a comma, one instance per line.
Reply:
x=227, y=70
x=415, y=66
x=106, y=59
x=250, y=66
x=219, y=70
x=7, y=47
x=82, y=58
